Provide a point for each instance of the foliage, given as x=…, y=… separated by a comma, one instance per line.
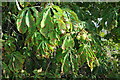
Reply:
x=57, y=40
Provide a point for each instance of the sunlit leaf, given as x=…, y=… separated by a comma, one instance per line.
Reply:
x=21, y=26
x=44, y=18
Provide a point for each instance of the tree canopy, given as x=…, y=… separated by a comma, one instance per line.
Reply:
x=61, y=40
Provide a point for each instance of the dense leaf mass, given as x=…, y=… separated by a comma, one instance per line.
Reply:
x=61, y=40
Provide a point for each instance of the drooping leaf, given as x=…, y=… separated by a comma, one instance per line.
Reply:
x=60, y=11
x=30, y=21
x=44, y=18
x=44, y=31
x=28, y=18
x=68, y=42
x=21, y=26
x=36, y=13
x=63, y=63
x=19, y=57
x=73, y=14
x=48, y=28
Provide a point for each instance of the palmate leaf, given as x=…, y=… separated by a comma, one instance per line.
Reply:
x=67, y=66
x=95, y=60
x=5, y=66
x=37, y=38
x=35, y=13
x=63, y=62
x=72, y=13
x=10, y=66
x=19, y=57
x=48, y=28
x=60, y=11
x=16, y=61
x=21, y=26
x=40, y=17
x=44, y=31
x=90, y=63
x=64, y=43
x=44, y=18
x=61, y=24
x=81, y=55
x=91, y=58
x=30, y=21
x=54, y=38
x=72, y=62
x=68, y=42
x=59, y=18
x=28, y=18
x=12, y=47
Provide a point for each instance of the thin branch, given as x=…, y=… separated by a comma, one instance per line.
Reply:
x=47, y=67
x=18, y=6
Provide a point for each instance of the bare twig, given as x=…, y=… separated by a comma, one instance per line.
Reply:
x=47, y=67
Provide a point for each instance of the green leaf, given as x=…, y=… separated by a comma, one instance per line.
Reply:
x=63, y=63
x=40, y=17
x=16, y=61
x=58, y=9
x=52, y=35
x=10, y=65
x=90, y=63
x=80, y=49
x=4, y=65
x=61, y=24
x=12, y=47
x=68, y=42
x=36, y=13
x=74, y=15
x=48, y=28
x=44, y=31
x=21, y=26
x=30, y=22
x=19, y=57
x=28, y=14
x=44, y=18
